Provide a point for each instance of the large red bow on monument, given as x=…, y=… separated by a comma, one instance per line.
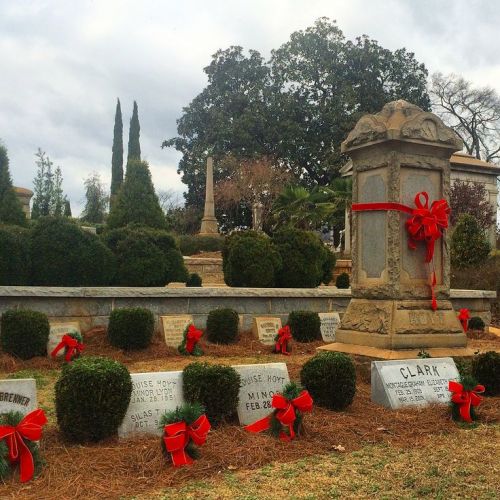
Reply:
x=465, y=399
x=284, y=335
x=178, y=436
x=72, y=345
x=192, y=338
x=29, y=428
x=464, y=318
x=286, y=414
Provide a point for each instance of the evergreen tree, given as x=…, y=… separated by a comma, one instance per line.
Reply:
x=57, y=199
x=67, y=208
x=11, y=211
x=134, y=146
x=96, y=200
x=136, y=201
x=117, y=156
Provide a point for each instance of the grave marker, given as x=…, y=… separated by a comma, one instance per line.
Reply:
x=57, y=330
x=266, y=329
x=412, y=382
x=152, y=394
x=18, y=395
x=329, y=324
x=259, y=383
x=173, y=328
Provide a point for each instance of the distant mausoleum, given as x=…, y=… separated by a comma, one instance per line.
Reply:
x=24, y=195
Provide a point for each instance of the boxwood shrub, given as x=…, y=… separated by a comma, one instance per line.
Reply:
x=222, y=326
x=131, y=328
x=194, y=280
x=476, y=323
x=216, y=387
x=24, y=333
x=342, y=281
x=14, y=256
x=305, y=326
x=330, y=378
x=192, y=245
x=486, y=370
x=92, y=396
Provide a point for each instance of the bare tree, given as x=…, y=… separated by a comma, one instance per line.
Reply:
x=473, y=112
x=169, y=200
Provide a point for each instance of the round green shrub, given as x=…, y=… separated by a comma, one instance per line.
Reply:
x=330, y=378
x=194, y=280
x=476, y=323
x=145, y=256
x=469, y=246
x=92, y=396
x=306, y=261
x=62, y=254
x=250, y=260
x=305, y=326
x=216, y=387
x=14, y=256
x=222, y=326
x=131, y=328
x=486, y=370
x=342, y=281
x=192, y=245
x=24, y=333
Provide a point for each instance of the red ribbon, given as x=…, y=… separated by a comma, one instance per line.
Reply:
x=178, y=435
x=425, y=224
x=285, y=413
x=464, y=318
x=192, y=338
x=72, y=345
x=465, y=399
x=29, y=428
x=284, y=335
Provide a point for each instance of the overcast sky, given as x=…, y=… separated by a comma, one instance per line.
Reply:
x=63, y=63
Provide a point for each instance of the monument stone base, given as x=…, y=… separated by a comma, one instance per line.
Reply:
x=401, y=324
x=209, y=226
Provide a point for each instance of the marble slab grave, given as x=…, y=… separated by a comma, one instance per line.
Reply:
x=18, y=395
x=266, y=329
x=173, y=328
x=329, y=323
x=57, y=330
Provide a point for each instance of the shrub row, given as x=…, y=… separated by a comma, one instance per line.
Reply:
x=191, y=245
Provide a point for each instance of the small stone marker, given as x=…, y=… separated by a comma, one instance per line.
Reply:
x=411, y=382
x=57, y=330
x=152, y=394
x=18, y=395
x=258, y=385
x=329, y=324
x=173, y=328
x=266, y=329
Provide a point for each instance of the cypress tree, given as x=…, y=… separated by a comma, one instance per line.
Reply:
x=11, y=210
x=117, y=156
x=134, y=146
x=67, y=208
x=136, y=201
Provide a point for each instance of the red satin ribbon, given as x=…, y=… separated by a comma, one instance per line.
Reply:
x=72, y=345
x=178, y=435
x=465, y=399
x=425, y=224
x=29, y=428
x=285, y=413
x=284, y=335
x=464, y=318
x=192, y=338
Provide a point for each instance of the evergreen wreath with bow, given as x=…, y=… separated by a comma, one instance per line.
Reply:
x=190, y=341
x=465, y=398
x=72, y=343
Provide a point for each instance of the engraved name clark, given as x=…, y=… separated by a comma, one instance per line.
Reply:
x=432, y=370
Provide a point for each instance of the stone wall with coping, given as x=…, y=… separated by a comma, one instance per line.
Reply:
x=92, y=306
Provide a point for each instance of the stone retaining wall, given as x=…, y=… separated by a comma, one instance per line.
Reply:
x=92, y=306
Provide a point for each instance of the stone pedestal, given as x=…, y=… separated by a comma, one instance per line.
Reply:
x=209, y=222
x=396, y=154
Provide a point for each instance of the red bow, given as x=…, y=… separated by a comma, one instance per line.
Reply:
x=464, y=318
x=178, y=436
x=192, y=338
x=29, y=428
x=71, y=345
x=284, y=335
x=465, y=399
x=285, y=413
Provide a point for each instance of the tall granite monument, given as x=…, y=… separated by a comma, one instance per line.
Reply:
x=209, y=222
x=397, y=153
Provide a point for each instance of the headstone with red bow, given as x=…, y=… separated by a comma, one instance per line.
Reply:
x=189, y=345
x=282, y=340
x=465, y=398
x=286, y=421
x=184, y=429
x=72, y=343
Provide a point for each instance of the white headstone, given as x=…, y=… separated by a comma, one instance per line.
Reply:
x=329, y=324
x=152, y=394
x=173, y=328
x=258, y=385
x=412, y=382
x=266, y=329
x=18, y=395
x=57, y=330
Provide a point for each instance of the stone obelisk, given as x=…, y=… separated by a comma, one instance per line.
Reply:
x=209, y=222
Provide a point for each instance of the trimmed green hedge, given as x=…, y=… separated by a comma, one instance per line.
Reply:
x=486, y=370
x=342, y=281
x=194, y=280
x=222, y=326
x=131, y=328
x=305, y=326
x=15, y=267
x=192, y=245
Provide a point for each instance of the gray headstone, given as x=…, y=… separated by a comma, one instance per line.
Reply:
x=258, y=385
x=18, y=395
x=266, y=329
x=173, y=328
x=329, y=324
x=57, y=330
x=412, y=382
x=152, y=394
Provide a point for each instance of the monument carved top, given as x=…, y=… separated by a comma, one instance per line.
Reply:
x=403, y=121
